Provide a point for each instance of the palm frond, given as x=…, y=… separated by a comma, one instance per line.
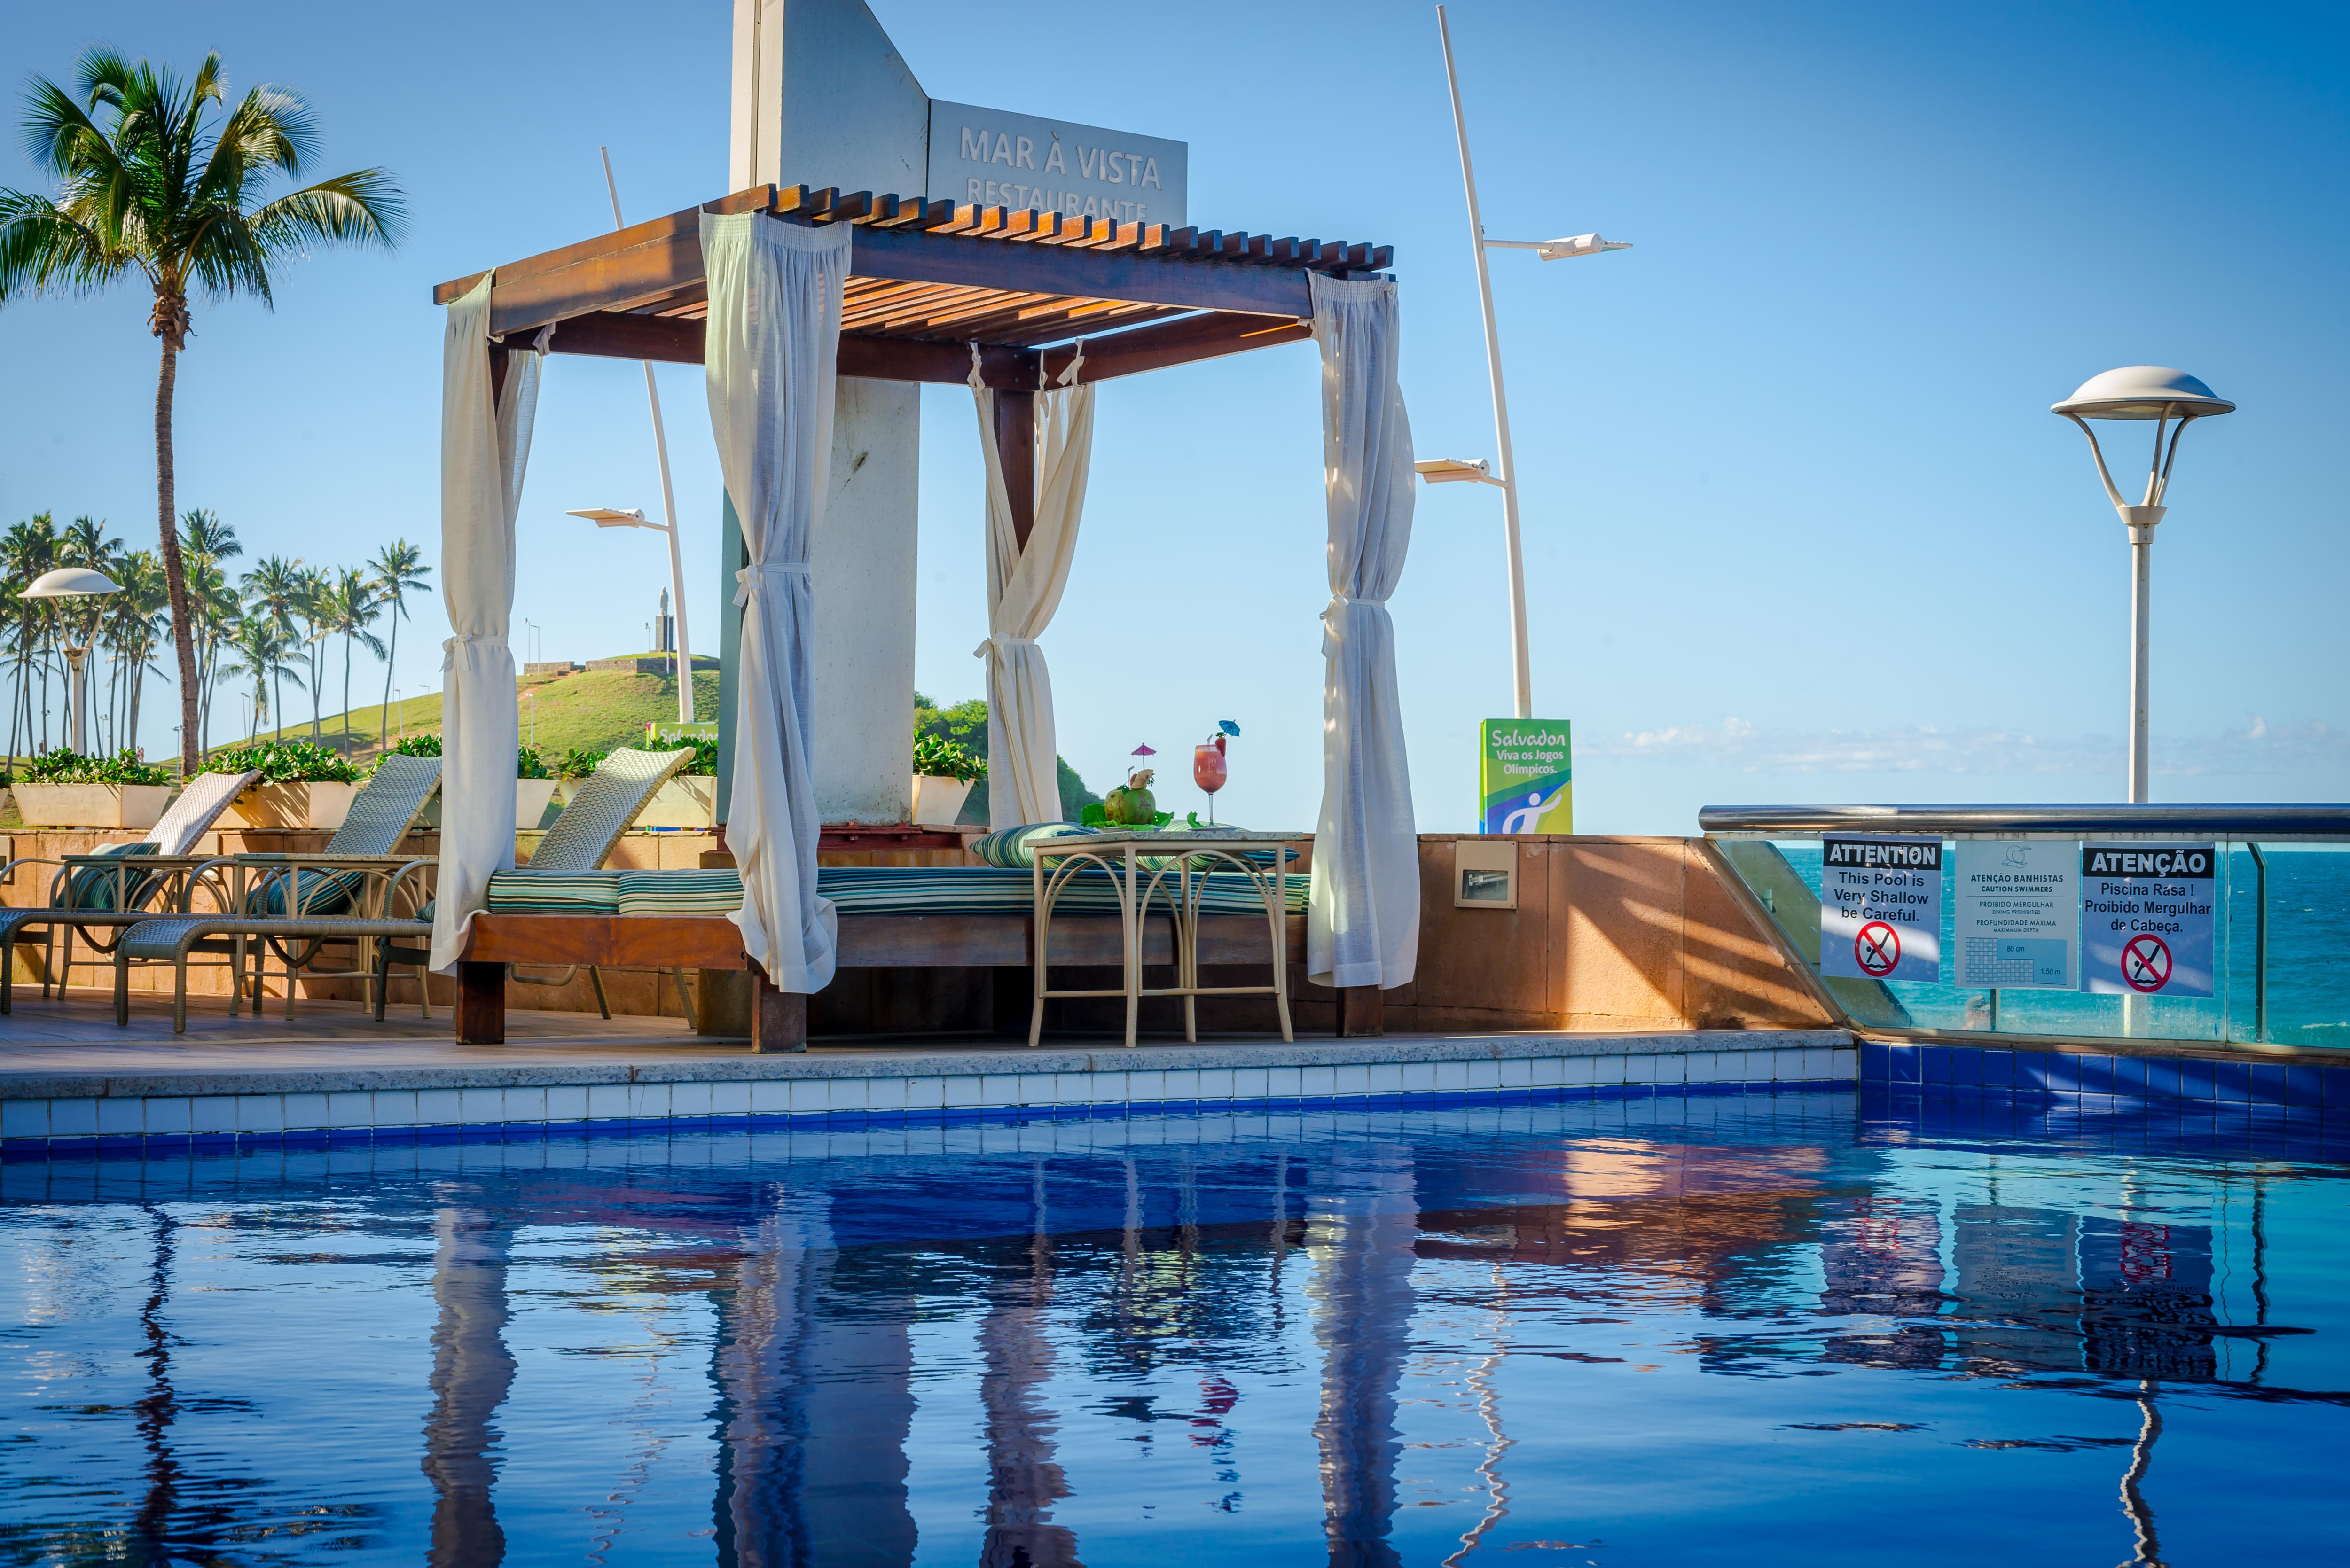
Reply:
x=43, y=249
x=364, y=207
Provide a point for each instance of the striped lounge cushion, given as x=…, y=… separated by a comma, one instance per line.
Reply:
x=680, y=892
x=1009, y=848
x=991, y=890
x=525, y=891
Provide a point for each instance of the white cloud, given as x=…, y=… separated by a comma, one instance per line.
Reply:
x=2261, y=748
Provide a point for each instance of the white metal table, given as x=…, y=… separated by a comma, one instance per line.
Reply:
x=1175, y=865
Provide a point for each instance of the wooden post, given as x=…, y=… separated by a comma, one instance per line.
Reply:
x=778, y=1018
x=480, y=1003
x=1016, y=439
x=1362, y=1010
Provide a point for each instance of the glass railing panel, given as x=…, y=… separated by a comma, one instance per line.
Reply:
x=2302, y=995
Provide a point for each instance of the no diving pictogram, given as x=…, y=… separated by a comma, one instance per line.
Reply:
x=2146, y=963
x=1877, y=948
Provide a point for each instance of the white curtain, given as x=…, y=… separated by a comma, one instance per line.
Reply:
x=1024, y=590
x=774, y=337
x=483, y=452
x=1362, y=924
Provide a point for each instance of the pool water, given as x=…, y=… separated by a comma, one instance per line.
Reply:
x=1758, y=1330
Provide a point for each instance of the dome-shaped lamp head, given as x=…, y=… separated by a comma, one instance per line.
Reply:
x=2153, y=392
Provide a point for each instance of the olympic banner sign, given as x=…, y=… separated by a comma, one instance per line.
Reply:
x=2146, y=919
x=1881, y=908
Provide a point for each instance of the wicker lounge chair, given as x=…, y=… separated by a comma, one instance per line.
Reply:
x=117, y=886
x=577, y=846
x=267, y=903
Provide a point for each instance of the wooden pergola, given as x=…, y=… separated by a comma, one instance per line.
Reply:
x=929, y=279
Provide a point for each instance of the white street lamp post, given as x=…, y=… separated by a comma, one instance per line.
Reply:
x=614, y=517
x=669, y=499
x=1522, y=667
x=73, y=583
x=2141, y=392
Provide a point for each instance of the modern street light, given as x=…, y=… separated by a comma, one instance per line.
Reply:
x=669, y=494
x=2141, y=392
x=1549, y=250
x=73, y=583
x=612, y=517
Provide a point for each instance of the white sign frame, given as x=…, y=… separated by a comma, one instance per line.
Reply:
x=2013, y=899
x=1881, y=906
x=2140, y=915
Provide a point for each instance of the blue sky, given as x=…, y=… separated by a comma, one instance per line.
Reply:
x=1799, y=527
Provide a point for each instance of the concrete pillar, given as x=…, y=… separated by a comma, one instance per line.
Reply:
x=822, y=98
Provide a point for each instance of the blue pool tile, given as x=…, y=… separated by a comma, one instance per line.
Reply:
x=2093, y=1074
x=2303, y=1086
x=1876, y=1063
x=2337, y=1087
x=2198, y=1079
x=2267, y=1082
x=1998, y=1069
x=1935, y=1067
x=2232, y=1080
x=1905, y=1063
x=1966, y=1064
x=2161, y=1078
x=2129, y=1076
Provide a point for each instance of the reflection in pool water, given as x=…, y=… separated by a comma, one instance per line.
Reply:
x=1652, y=1332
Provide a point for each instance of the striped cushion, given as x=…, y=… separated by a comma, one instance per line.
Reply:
x=525, y=891
x=680, y=892
x=1010, y=847
x=94, y=886
x=316, y=894
x=990, y=890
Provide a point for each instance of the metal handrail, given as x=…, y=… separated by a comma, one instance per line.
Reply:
x=2266, y=822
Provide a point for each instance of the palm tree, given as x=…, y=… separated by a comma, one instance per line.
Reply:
x=170, y=185
x=205, y=541
x=398, y=572
x=313, y=601
x=135, y=625
x=271, y=590
x=84, y=543
x=27, y=550
x=261, y=646
x=352, y=607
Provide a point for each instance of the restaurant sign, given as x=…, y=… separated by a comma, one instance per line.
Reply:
x=994, y=158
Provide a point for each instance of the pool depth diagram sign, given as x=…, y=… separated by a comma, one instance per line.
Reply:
x=995, y=158
x=2019, y=914
x=1525, y=776
x=2146, y=919
x=1881, y=908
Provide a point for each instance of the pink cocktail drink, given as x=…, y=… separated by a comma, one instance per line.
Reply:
x=1208, y=770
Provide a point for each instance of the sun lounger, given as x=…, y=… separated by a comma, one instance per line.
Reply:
x=574, y=848
x=267, y=903
x=118, y=885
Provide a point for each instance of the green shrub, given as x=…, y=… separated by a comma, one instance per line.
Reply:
x=67, y=766
x=705, y=751
x=418, y=746
x=580, y=762
x=288, y=762
x=938, y=758
x=529, y=764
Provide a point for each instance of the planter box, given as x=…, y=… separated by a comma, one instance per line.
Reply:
x=686, y=800
x=317, y=804
x=532, y=798
x=937, y=801
x=92, y=805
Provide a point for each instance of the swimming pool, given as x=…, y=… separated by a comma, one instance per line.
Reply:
x=1766, y=1329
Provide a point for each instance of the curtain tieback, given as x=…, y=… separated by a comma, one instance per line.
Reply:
x=1000, y=643
x=449, y=646
x=759, y=575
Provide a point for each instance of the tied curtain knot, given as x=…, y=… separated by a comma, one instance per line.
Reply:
x=1000, y=644
x=765, y=576
x=452, y=645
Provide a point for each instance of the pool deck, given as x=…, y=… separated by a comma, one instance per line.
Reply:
x=70, y=1080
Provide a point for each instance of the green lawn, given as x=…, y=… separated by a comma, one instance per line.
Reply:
x=589, y=708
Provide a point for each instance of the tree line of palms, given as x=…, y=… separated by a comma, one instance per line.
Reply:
x=280, y=621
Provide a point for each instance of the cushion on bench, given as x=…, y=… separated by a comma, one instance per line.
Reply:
x=525, y=891
x=680, y=892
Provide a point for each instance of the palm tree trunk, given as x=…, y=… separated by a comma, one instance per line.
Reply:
x=347, y=694
x=175, y=575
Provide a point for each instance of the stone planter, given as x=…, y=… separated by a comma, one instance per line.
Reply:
x=939, y=801
x=685, y=800
x=311, y=803
x=92, y=805
x=532, y=798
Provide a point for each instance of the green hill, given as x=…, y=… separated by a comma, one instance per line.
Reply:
x=595, y=709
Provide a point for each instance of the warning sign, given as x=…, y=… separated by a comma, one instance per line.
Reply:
x=2146, y=919
x=2019, y=913
x=1881, y=908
